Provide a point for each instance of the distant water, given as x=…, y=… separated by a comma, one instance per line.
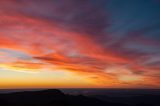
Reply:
x=112, y=92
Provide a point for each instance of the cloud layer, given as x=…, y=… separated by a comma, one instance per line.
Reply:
x=82, y=37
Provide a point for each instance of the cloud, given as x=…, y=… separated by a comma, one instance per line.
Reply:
x=73, y=36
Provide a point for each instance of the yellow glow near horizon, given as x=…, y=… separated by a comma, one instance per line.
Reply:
x=41, y=79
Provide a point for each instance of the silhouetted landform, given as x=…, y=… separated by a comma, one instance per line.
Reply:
x=55, y=97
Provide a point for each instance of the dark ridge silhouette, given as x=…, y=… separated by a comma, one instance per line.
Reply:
x=55, y=97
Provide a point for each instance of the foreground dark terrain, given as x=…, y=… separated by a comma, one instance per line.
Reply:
x=57, y=98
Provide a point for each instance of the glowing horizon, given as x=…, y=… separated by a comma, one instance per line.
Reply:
x=79, y=44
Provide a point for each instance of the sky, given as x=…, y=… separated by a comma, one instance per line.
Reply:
x=79, y=44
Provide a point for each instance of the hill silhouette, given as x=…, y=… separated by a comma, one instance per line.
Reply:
x=53, y=97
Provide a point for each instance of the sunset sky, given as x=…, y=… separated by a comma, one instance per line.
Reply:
x=79, y=44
